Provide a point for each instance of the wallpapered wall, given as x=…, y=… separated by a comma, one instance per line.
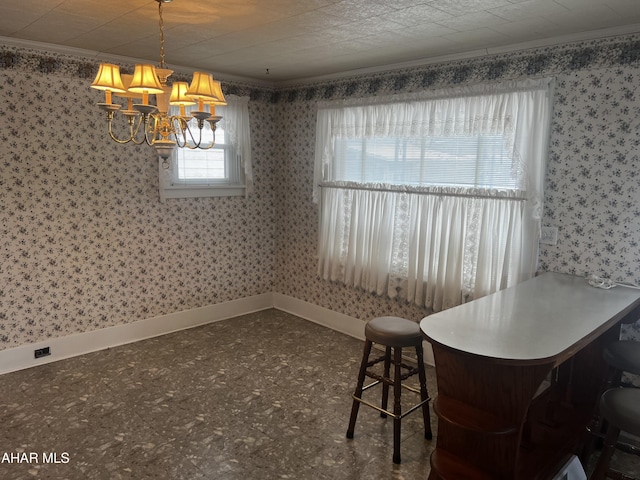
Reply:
x=85, y=244
x=84, y=241
x=593, y=181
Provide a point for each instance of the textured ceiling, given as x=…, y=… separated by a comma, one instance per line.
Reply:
x=296, y=39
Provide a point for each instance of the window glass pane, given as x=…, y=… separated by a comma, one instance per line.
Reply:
x=203, y=164
x=200, y=166
x=220, y=171
x=474, y=161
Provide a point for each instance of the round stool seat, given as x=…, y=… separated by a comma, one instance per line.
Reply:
x=623, y=355
x=393, y=332
x=621, y=407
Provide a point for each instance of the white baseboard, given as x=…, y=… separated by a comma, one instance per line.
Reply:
x=22, y=357
x=339, y=322
x=351, y=326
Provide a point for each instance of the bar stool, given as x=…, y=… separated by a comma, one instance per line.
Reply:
x=622, y=356
x=394, y=333
x=620, y=407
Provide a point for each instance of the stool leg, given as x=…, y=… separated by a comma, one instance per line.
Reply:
x=385, y=385
x=358, y=392
x=423, y=393
x=598, y=425
x=397, y=409
x=602, y=467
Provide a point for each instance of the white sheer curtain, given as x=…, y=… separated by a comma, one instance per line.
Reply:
x=235, y=121
x=437, y=245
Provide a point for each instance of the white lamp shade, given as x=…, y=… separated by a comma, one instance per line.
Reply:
x=145, y=80
x=202, y=87
x=217, y=90
x=179, y=94
x=108, y=78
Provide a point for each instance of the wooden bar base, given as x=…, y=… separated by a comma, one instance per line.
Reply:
x=520, y=414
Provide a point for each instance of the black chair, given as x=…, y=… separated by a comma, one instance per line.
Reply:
x=393, y=333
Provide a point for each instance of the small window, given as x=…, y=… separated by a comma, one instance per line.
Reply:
x=212, y=167
x=222, y=170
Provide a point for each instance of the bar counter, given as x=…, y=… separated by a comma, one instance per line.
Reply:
x=519, y=373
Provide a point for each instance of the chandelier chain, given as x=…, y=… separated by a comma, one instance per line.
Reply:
x=161, y=23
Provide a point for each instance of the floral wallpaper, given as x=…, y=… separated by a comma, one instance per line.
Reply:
x=85, y=243
x=593, y=181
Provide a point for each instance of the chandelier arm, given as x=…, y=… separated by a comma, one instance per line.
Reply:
x=212, y=124
x=150, y=129
x=179, y=125
x=198, y=145
x=116, y=139
x=133, y=132
x=194, y=145
x=190, y=147
x=152, y=124
x=213, y=142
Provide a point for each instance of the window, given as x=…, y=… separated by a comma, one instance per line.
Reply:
x=224, y=169
x=435, y=197
x=463, y=160
x=213, y=167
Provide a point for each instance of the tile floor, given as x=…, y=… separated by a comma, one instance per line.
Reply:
x=262, y=396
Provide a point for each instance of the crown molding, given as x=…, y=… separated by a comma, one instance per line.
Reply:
x=516, y=47
x=112, y=58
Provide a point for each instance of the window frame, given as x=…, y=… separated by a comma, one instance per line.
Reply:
x=434, y=245
x=236, y=184
x=230, y=170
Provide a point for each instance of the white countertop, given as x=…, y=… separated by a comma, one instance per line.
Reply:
x=536, y=319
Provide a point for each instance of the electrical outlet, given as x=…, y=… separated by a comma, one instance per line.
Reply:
x=549, y=235
x=42, y=352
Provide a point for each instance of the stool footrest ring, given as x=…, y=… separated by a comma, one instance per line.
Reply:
x=386, y=380
x=387, y=412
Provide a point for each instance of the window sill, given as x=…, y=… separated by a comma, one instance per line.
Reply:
x=194, y=191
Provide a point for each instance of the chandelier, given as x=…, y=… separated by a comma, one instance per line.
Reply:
x=152, y=124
